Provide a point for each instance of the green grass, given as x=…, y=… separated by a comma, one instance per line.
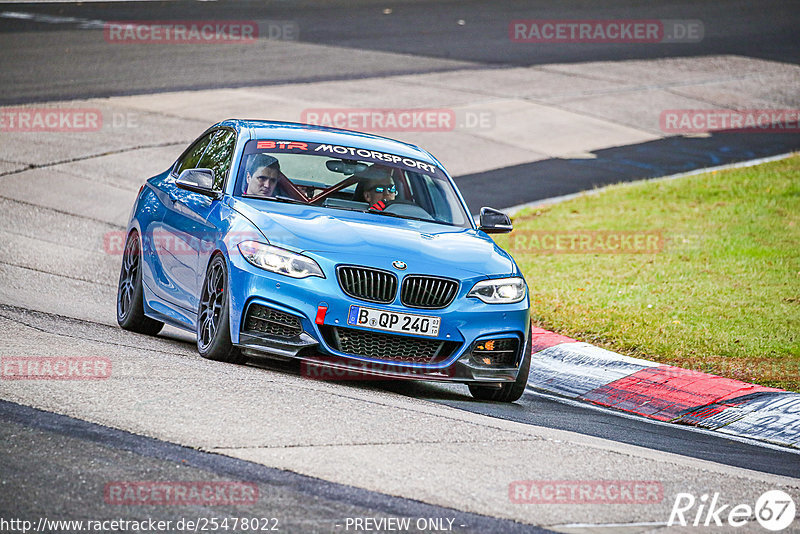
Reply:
x=722, y=296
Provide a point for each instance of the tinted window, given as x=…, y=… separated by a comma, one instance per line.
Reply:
x=218, y=155
x=191, y=158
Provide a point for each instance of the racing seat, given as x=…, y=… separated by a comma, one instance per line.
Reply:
x=358, y=195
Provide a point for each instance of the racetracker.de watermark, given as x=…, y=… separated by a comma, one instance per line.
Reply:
x=750, y=369
x=198, y=31
x=585, y=492
x=400, y=119
x=64, y=120
x=50, y=120
x=606, y=31
x=174, y=243
x=180, y=493
x=55, y=367
x=369, y=371
x=687, y=121
x=586, y=242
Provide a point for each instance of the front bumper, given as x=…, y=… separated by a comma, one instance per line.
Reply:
x=464, y=323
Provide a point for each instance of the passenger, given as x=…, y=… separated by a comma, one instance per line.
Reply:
x=263, y=175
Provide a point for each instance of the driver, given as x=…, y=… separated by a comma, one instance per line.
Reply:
x=378, y=195
x=378, y=187
x=263, y=174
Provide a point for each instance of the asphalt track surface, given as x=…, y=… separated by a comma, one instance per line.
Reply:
x=59, y=468
x=65, y=57
x=542, y=410
x=50, y=452
x=435, y=35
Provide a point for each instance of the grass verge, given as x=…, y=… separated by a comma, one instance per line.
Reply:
x=711, y=283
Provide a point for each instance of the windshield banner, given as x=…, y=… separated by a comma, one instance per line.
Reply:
x=343, y=152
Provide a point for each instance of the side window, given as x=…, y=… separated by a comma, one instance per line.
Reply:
x=432, y=199
x=218, y=155
x=191, y=158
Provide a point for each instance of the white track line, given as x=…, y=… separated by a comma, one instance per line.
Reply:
x=610, y=525
x=88, y=24
x=555, y=200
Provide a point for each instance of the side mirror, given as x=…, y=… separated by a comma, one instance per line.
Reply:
x=199, y=181
x=494, y=222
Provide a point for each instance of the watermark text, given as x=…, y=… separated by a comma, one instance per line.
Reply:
x=585, y=242
x=585, y=492
x=55, y=367
x=181, y=493
x=606, y=31
x=199, y=31
x=685, y=121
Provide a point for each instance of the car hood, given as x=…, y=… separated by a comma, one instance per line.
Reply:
x=377, y=240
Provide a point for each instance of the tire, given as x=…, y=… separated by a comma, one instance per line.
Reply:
x=130, y=295
x=510, y=391
x=213, y=316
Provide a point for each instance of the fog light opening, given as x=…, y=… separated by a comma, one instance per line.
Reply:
x=499, y=352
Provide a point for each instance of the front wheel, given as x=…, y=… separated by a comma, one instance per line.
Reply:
x=130, y=294
x=213, y=316
x=511, y=391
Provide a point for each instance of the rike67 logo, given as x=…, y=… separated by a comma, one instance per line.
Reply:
x=774, y=510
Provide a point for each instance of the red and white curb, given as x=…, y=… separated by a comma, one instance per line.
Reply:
x=581, y=371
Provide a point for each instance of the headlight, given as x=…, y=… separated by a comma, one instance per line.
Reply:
x=278, y=260
x=499, y=290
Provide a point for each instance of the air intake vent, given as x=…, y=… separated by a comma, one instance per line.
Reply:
x=429, y=292
x=263, y=320
x=405, y=349
x=363, y=283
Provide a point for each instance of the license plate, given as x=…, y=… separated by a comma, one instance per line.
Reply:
x=404, y=323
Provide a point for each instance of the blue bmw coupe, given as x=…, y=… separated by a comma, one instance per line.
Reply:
x=344, y=250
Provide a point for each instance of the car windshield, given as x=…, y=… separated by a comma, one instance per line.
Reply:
x=348, y=178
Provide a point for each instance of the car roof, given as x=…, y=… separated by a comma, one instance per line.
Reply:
x=295, y=131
